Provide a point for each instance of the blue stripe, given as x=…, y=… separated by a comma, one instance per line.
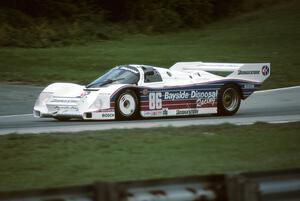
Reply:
x=208, y=86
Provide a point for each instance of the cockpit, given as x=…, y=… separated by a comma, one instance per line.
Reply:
x=151, y=75
x=124, y=74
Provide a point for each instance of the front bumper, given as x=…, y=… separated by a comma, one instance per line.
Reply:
x=108, y=114
x=73, y=108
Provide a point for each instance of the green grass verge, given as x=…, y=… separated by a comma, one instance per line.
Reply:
x=266, y=35
x=48, y=160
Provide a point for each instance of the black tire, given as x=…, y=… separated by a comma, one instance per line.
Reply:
x=62, y=118
x=127, y=105
x=229, y=100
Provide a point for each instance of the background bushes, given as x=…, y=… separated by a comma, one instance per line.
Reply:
x=44, y=23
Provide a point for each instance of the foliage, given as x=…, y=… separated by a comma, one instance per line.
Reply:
x=37, y=23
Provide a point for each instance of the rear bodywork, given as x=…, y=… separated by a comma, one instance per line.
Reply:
x=186, y=88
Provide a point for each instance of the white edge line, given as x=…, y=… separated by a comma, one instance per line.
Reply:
x=76, y=129
x=16, y=115
x=277, y=89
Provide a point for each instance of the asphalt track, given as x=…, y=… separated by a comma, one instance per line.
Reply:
x=16, y=102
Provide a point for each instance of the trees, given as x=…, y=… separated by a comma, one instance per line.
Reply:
x=40, y=23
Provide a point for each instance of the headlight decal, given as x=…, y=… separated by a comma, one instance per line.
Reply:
x=43, y=98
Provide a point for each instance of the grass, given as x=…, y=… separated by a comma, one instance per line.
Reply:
x=266, y=35
x=48, y=160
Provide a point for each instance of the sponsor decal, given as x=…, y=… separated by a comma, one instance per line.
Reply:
x=248, y=72
x=249, y=86
x=187, y=112
x=206, y=98
x=265, y=70
x=153, y=113
x=176, y=95
x=84, y=93
x=165, y=112
x=65, y=109
x=204, y=94
x=205, y=102
x=108, y=115
x=129, y=69
x=145, y=92
x=63, y=101
x=182, y=95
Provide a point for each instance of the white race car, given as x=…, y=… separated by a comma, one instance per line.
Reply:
x=132, y=91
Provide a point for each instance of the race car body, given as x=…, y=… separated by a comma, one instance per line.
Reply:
x=131, y=91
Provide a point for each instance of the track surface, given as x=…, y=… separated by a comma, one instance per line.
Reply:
x=275, y=106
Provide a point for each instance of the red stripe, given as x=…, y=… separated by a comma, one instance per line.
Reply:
x=180, y=106
x=170, y=104
x=174, y=101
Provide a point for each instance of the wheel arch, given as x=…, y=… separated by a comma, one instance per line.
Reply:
x=239, y=87
x=135, y=89
x=119, y=92
x=222, y=110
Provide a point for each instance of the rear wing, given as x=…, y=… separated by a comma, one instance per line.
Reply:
x=256, y=72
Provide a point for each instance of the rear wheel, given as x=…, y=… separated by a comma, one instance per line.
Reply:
x=127, y=105
x=229, y=100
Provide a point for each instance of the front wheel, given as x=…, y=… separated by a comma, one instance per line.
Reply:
x=127, y=105
x=229, y=100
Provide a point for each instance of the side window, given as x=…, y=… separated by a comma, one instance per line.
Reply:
x=152, y=75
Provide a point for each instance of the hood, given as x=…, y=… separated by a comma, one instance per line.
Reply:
x=65, y=89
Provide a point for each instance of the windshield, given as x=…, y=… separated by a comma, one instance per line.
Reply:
x=119, y=74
